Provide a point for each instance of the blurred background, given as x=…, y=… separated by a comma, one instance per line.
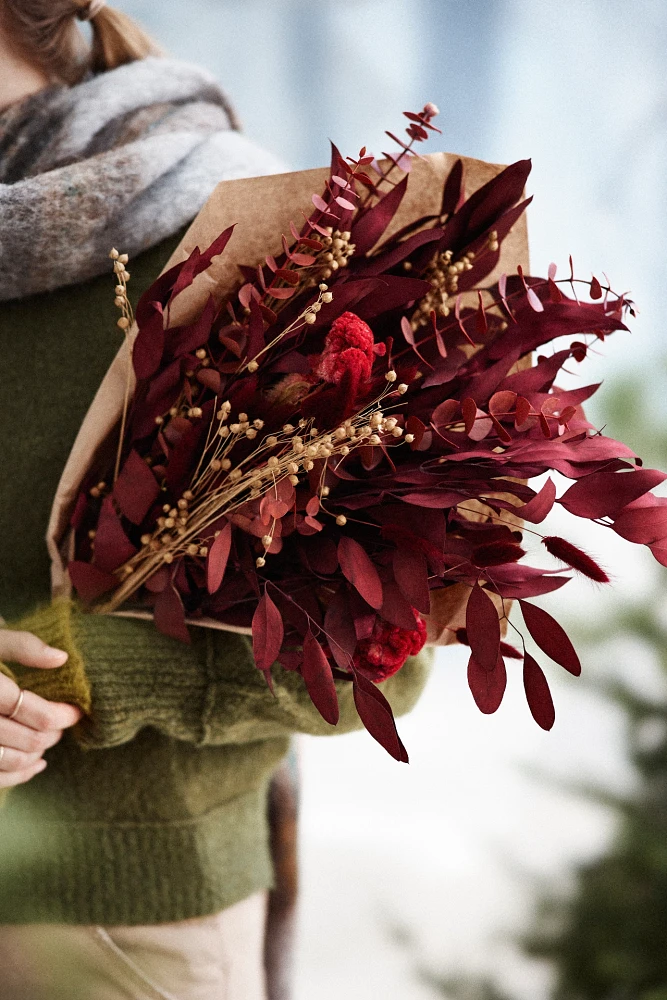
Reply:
x=504, y=863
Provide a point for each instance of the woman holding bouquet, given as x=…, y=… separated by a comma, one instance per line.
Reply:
x=134, y=857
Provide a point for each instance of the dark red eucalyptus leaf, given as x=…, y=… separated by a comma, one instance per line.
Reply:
x=497, y=553
x=301, y=259
x=544, y=425
x=79, y=512
x=643, y=525
x=453, y=190
x=487, y=686
x=148, y=347
x=555, y=293
x=255, y=341
x=435, y=499
x=395, y=609
x=318, y=678
x=136, y=488
x=187, y=339
x=523, y=412
x=659, y=552
x=320, y=554
x=160, y=579
x=536, y=510
x=169, y=614
x=603, y=494
x=492, y=378
x=269, y=316
x=371, y=224
x=313, y=506
x=184, y=454
x=411, y=575
x=89, y=581
x=502, y=404
x=559, y=319
x=481, y=427
x=375, y=713
x=533, y=587
x=210, y=378
x=112, y=546
x=579, y=350
x=538, y=694
x=270, y=507
x=344, y=203
x=483, y=628
x=187, y=273
x=533, y=301
x=574, y=557
x=479, y=212
x=267, y=633
x=339, y=630
x=203, y=260
x=501, y=431
x=417, y=428
x=550, y=637
x=291, y=277
x=510, y=651
x=217, y=247
x=385, y=261
x=280, y=293
x=469, y=411
x=481, y=324
x=445, y=413
x=397, y=292
x=567, y=414
x=218, y=555
x=358, y=568
x=596, y=290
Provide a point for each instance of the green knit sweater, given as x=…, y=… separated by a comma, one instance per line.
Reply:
x=154, y=808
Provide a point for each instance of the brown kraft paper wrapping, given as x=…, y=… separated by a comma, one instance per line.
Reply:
x=262, y=208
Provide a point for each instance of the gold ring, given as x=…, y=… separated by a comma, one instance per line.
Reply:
x=17, y=706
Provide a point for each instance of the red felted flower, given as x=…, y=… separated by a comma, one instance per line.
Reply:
x=348, y=348
x=387, y=649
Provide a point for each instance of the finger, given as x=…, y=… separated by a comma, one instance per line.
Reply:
x=26, y=649
x=18, y=737
x=17, y=760
x=36, y=712
x=10, y=778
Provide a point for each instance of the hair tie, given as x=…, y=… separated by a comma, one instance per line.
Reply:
x=90, y=10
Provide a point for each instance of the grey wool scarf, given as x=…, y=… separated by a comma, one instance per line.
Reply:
x=123, y=159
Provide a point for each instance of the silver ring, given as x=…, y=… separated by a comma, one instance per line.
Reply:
x=17, y=707
x=2, y=753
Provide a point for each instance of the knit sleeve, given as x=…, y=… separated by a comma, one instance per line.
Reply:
x=126, y=676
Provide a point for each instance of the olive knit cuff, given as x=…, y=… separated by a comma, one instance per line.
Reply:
x=53, y=624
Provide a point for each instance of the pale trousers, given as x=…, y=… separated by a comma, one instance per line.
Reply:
x=208, y=958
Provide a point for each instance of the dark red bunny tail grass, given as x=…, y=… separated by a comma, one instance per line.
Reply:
x=560, y=549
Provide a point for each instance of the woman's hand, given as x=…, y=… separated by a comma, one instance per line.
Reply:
x=35, y=724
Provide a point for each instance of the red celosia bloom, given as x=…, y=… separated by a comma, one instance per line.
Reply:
x=348, y=348
x=387, y=649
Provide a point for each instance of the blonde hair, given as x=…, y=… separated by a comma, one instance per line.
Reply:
x=46, y=33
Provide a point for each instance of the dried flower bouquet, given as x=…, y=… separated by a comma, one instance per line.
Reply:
x=325, y=454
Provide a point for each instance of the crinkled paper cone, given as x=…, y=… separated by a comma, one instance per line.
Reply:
x=262, y=208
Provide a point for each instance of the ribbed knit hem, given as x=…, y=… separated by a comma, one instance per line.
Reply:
x=89, y=873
